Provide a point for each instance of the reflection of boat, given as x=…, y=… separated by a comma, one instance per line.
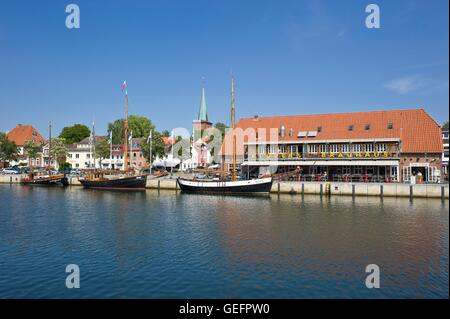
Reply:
x=98, y=180
x=57, y=179
x=262, y=185
x=222, y=185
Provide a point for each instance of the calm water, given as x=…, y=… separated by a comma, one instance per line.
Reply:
x=172, y=245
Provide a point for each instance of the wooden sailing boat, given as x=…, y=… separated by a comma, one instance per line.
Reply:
x=127, y=180
x=46, y=179
x=261, y=185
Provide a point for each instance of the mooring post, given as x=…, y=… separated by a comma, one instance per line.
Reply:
x=381, y=191
x=353, y=190
x=442, y=192
x=303, y=188
x=278, y=187
x=411, y=193
x=159, y=184
x=321, y=189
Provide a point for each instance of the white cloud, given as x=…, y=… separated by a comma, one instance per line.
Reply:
x=404, y=85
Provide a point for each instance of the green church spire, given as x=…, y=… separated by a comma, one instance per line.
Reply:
x=202, y=114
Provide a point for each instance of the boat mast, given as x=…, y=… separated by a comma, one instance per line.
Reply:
x=49, y=143
x=93, y=141
x=125, y=146
x=233, y=127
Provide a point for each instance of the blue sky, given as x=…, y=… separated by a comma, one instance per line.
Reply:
x=288, y=57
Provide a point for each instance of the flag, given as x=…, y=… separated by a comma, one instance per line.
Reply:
x=124, y=88
x=149, y=137
x=131, y=136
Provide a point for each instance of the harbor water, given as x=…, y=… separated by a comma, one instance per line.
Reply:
x=167, y=244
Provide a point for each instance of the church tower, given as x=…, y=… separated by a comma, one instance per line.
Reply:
x=200, y=153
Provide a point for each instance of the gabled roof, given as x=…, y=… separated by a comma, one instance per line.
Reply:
x=418, y=132
x=22, y=133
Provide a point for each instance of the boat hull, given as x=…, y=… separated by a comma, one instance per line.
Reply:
x=126, y=183
x=49, y=181
x=229, y=187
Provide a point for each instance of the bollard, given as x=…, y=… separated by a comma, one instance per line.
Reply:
x=381, y=191
x=442, y=192
x=159, y=184
x=303, y=188
x=321, y=190
x=353, y=190
x=411, y=193
x=278, y=187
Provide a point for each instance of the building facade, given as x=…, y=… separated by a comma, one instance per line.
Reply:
x=382, y=146
x=20, y=135
x=445, y=154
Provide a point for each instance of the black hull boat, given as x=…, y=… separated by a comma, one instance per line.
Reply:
x=263, y=185
x=52, y=180
x=136, y=182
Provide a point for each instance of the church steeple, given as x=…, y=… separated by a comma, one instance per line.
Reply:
x=202, y=114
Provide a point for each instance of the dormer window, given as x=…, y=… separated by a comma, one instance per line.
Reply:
x=319, y=129
x=390, y=126
x=367, y=127
x=351, y=127
x=282, y=131
x=291, y=132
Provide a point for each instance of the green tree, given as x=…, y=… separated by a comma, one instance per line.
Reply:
x=102, y=149
x=165, y=133
x=445, y=126
x=75, y=133
x=139, y=125
x=8, y=149
x=157, y=146
x=59, y=151
x=222, y=127
x=31, y=149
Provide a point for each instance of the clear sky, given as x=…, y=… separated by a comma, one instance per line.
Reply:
x=288, y=57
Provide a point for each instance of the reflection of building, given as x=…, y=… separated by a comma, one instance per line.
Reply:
x=360, y=146
x=20, y=135
x=445, y=138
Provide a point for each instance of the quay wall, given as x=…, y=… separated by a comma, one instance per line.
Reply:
x=319, y=188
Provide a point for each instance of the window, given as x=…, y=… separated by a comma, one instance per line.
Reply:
x=358, y=170
x=312, y=148
x=346, y=148
x=282, y=149
x=77, y=165
x=390, y=126
x=282, y=131
x=356, y=148
x=77, y=155
x=381, y=147
x=334, y=148
x=319, y=129
x=291, y=132
x=273, y=149
x=369, y=147
x=367, y=127
x=261, y=149
x=293, y=149
x=351, y=127
x=87, y=155
x=323, y=148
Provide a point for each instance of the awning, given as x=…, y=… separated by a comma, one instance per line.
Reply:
x=324, y=163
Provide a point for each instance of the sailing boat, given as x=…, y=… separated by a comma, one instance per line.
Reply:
x=260, y=185
x=40, y=178
x=127, y=181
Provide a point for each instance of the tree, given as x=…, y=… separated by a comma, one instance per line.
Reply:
x=157, y=146
x=445, y=126
x=139, y=125
x=8, y=149
x=221, y=127
x=75, y=133
x=165, y=133
x=102, y=149
x=59, y=151
x=31, y=149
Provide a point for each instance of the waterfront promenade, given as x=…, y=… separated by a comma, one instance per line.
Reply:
x=318, y=188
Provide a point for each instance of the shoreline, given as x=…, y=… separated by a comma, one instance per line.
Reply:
x=307, y=188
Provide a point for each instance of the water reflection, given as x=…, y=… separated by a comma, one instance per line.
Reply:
x=169, y=244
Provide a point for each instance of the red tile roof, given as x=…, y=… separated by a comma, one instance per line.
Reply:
x=167, y=140
x=22, y=133
x=418, y=132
